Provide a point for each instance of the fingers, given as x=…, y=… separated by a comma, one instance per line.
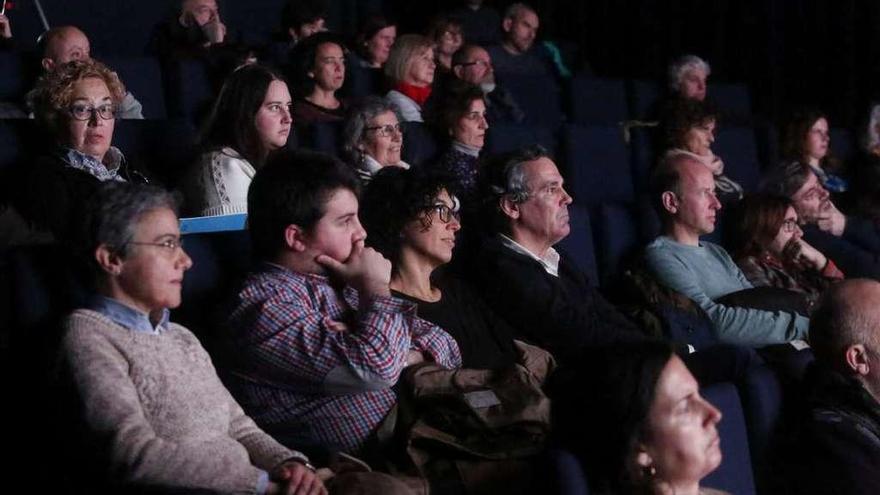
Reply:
x=330, y=263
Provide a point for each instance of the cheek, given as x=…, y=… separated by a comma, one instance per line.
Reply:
x=76, y=132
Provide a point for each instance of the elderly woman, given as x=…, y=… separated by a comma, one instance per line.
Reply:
x=806, y=139
x=410, y=70
x=147, y=387
x=687, y=77
x=690, y=130
x=250, y=119
x=461, y=115
x=317, y=71
x=372, y=138
x=373, y=42
x=76, y=104
x=768, y=246
x=634, y=415
x=447, y=35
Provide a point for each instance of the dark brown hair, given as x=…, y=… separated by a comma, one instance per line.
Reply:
x=758, y=219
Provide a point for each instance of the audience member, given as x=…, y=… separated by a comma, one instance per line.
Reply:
x=768, y=247
x=517, y=52
x=687, y=78
x=148, y=391
x=446, y=33
x=412, y=219
x=6, y=40
x=372, y=138
x=250, y=119
x=690, y=130
x=538, y=290
x=76, y=104
x=319, y=340
x=317, y=72
x=63, y=44
x=479, y=22
x=303, y=18
x=852, y=242
x=472, y=64
x=410, y=70
x=634, y=415
x=192, y=33
x=373, y=42
x=683, y=190
x=806, y=140
x=838, y=442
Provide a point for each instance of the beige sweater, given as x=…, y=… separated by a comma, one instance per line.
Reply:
x=157, y=402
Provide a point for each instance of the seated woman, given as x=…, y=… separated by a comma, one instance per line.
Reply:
x=634, y=416
x=410, y=71
x=317, y=71
x=461, y=115
x=412, y=219
x=148, y=389
x=768, y=246
x=372, y=138
x=250, y=119
x=690, y=130
x=373, y=42
x=447, y=34
x=76, y=104
x=806, y=139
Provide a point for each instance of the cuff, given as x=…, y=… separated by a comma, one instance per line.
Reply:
x=262, y=482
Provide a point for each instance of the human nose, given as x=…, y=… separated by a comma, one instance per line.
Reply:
x=566, y=198
x=712, y=414
x=286, y=115
x=359, y=233
x=454, y=223
x=183, y=260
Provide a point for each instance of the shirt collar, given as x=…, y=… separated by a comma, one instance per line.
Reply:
x=466, y=149
x=102, y=171
x=371, y=165
x=128, y=317
x=550, y=261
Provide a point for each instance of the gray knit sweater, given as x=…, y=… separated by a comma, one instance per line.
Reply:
x=157, y=402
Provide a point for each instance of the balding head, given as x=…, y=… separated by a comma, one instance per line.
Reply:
x=845, y=331
x=64, y=44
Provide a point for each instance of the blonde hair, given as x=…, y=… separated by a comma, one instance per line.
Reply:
x=403, y=52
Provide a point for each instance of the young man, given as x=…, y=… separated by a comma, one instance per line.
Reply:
x=318, y=337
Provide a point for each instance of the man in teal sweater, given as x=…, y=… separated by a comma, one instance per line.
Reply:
x=685, y=191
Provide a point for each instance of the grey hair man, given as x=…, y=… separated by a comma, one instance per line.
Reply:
x=687, y=77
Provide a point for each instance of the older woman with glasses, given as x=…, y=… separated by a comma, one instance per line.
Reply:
x=76, y=104
x=372, y=137
x=768, y=246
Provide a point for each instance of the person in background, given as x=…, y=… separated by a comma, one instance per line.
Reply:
x=517, y=53
x=472, y=64
x=193, y=33
x=372, y=138
x=410, y=71
x=303, y=18
x=479, y=22
x=317, y=72
x=806, y=140
x=687, y=78
x=448, y=38
x=373, y=42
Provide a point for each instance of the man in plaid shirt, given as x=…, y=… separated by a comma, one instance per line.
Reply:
x=318, y=337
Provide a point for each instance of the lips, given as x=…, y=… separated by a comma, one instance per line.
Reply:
x=94, y=138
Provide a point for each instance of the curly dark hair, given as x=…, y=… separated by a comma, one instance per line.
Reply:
x=683, y=115
x=395, y=197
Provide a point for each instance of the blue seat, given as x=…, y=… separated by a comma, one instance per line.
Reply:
x=597, y=164
x=643, y=155
x=644, y=96
x=255, y=21
x=12, y=80
x=843, y=144
x=164, y=147
x=579, y=242
x=767, y=139
x=501, y=138
x=361, y=81
x=617, y=235
x=734, y=475
x=17, y=137
x=538, y=96
x=188, y=91
x=143, y=78
x=598, y=101
x=321, y=136
x=419, y=145
x=733, y=100
x=736, y=145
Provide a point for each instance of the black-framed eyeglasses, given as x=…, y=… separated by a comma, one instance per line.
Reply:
x=170, y=246
x=87, y=112
x=789, y=225
x=385, y=130
x=445, y=213
x=483, y=63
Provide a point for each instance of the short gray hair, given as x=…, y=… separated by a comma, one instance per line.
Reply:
x=683, y=64
x=504, y=176
x=358, y=120
x=872, y=136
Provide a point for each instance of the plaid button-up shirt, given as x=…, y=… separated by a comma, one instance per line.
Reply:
x=316, y=364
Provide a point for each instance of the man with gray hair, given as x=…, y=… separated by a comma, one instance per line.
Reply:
x=838, y=438
x=687, y=77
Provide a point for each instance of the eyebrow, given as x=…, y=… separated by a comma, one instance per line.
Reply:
x=83, y=98
x=346, y=216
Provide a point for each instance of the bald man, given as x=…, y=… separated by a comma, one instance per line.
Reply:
x=68, y=43
x=839, y=434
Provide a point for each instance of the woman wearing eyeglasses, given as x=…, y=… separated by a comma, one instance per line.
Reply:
x=769, y=248
x=372, y=137
x=76, y=104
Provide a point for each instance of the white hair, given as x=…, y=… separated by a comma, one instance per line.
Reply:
x=683, y=64
x=872, y=136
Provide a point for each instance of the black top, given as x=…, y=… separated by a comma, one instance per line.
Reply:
x=562, y=314
x=485, y=340
x=856, y=252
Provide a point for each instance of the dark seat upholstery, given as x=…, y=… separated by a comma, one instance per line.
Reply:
x=501, y=138
x=579, y=242
x=736, y=145
x=419, y=145
x=598, y=101
x=597, y=164
x=617, y=234
x=539, y=97
x=733, y=100
x=644, y=97
x=143, y=78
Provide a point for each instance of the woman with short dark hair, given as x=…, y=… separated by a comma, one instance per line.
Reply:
x=461, y=115
x=317, y=71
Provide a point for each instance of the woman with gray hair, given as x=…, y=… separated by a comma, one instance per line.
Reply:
x=147, y=388
x=372, y=137
x=687, y=77
x=410, y=69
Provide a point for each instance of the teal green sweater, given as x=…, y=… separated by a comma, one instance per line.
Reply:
x=705, y=273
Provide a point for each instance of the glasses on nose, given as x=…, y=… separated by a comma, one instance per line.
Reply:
x=385, y=130
x=446, y=214
x=813, y=193
x=168, y=246
x=482, y=63
x=790, y=225
x=88, y=112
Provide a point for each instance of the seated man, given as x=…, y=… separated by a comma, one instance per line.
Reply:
x=684, y=193
x=852, y=242
x=62, y=44
x=472, y=63
x=192, y=34
x=538, y=290
x=318, y=338
x=838, y=439
x=517, y=52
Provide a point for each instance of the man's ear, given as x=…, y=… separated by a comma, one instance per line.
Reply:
x=47, y=63
x=457, y=70
x=670, y=201
x=643, y=458
x=506, y=24
x=295, y=238
x=292, y=33
x=856, y=357
x=109, y=260
x=509, y=207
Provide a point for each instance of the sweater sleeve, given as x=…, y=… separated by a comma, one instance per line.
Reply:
x=114, y=412
x=742, y=326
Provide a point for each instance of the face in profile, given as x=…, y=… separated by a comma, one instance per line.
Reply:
x=383, y=139
x=682, y=442
x=200, y=12
x=696, y=205
x=338, y=230
x=693, y=84
x=476, y=68
x=308, y=29
x=91, y=136
x=329, y=71
x=435, y=242
x=522, y=30
x=544, y=215
x=699, y=139
x=788, y=232
x=816, y=141
x=421, y=68
x=151, y=272
x=811, y=201
x=471, y=127
x=379, y=46
x=273, y=118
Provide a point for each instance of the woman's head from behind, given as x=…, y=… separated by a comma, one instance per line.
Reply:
x=373, y=129
x=764, y=223
x=318, y=61
x=691, y=126
x=77, y=103
x=410, y=214
x=635, y=413
x=806, y=137
x=131, y=239
x=411, y=61
x=461, y=113
x=251, y=114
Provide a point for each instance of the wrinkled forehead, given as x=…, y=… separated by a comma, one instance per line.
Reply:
x=541, y=171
